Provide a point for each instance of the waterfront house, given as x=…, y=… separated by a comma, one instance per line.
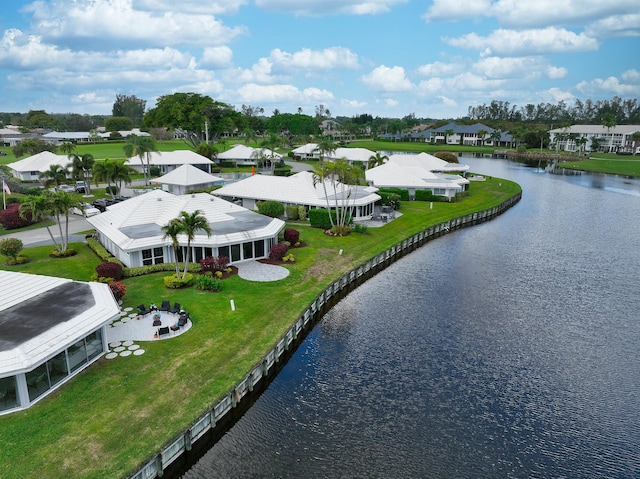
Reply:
x=52, y=328
x=576, y=138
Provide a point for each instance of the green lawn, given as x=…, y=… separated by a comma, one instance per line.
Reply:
x=630, y=166
x=118, y=413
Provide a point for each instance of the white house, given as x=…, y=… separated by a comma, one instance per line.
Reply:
x=301, y=190
x=428, y=162
x=131, y=230
x=577, y=138
x=170, y=160
x=29, y=169
x=52, y=328
x=308, y=151
x=414, y=175
x=247, y=156
x=351, y=155
x=187, y=178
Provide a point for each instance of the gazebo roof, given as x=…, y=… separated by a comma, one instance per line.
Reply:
x=187, y=175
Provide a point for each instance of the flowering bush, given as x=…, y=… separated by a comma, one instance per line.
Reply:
x=278, y=251
x=11, y=247
x=118, y=289
x=210, y=263
x=10, y=218
x=109, y=270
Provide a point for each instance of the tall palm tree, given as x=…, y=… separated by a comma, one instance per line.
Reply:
x=142, y=147
x=67, y=147
x=495, y=137
x=447, y=134
x=609, y=121
x=190, y=224
x=120, y=173
x=272, y=142
x=377, y=160
x=103, y=172
x=81, y=166
x=481, y=134
x=326, y=146
x=55, y=174
x=171, y=230
x=38, y=207
x=61, y=203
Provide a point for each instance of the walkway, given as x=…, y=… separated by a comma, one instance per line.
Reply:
x=256, y=271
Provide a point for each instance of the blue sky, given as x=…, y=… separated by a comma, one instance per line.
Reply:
x=388, y=58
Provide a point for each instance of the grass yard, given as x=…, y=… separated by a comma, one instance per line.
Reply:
x=118, y=413
x=626, y=167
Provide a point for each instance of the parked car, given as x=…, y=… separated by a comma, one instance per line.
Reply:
x=102, y=203
x=86, y=210
x=3, y=153
x=67, y=188
x=81, y=187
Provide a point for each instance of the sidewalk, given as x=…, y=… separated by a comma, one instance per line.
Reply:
x=40, y=237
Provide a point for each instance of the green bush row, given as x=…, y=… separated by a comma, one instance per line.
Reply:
x=175, y=282
x=155, y=268
x=319, y=218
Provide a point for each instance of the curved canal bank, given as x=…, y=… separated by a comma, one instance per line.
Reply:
x=189, y=446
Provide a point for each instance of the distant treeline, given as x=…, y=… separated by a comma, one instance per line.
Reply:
x=616, y=110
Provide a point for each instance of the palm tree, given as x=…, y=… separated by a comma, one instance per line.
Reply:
x=207, y=150
x=61, y=203
x=142, y=147
x=67, y=147
x=249, y=135
x=447, y=133
x=56, y=174
x=81, y=168
x=495, y=137
x=103, y=171
x=39, y=208
x=120, y=173
x=635, y=136
x=326, y=146
x=481, y=134
x=172, y=230
x=609, y=120
x=190, y=224
x=377, y=160
x=271, y=143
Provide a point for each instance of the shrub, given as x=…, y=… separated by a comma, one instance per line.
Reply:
x=278, y=251
x=292, y=212
x=319, y=218
x=447, y=156
x=288, y=258
x=359, y=228
x=424, y=195
x=302, y=213
x=291, y=235
x=270, y=208
x=118, y=289
x=403, y=194
x=282, y=171
x=110, y=270
x=111, y=190
x=155, y=268
x=211, y=264
x=174, y=282
x=208, y=283
x=11, y=248
x=10, y=218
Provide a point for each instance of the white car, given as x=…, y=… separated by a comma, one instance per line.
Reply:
x=67, y=188
x=86, y=210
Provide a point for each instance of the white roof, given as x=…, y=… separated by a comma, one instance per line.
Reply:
x=136, y=223
x=351, y=154
x=397, y=175
x=308, y=149
x=601, y=129
x=296, y=189
x=172, y=158
x=73, y=310
x=39, y=162
x=427, y=162
x=243, y=152
x=187, y=175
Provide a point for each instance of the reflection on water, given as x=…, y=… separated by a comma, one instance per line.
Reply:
x=509, y=349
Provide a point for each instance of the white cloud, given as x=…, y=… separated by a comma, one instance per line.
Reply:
x=329, y=7
x=446, y=10
x=390, y=102
x=216, y=56
x=616, y=26
x=526, y=42
x=307, y=59
x=555, y=73
x=259, y=94
x=556, y=95
x=260, y=72
x=610, y=85
x=19, y=50
x=227, y=7
x=387, y=79
x=353, y=104
x=631, y=76
x=441, y=69
x=105, y=22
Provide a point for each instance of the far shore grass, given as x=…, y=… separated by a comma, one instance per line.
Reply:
x=118, y=413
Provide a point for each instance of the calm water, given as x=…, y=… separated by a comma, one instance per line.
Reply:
x=510, y=349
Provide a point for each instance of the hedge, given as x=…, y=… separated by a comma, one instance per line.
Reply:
x=319, y=218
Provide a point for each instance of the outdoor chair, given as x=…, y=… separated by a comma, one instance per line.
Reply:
x=183, y=320
x=166, y=306
x=143, y=309
x=174, y=327
x=176, y=308
x=156, y=321
x=163, y=331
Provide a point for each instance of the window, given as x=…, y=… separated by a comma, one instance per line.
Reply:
x=152, y=256
x=247, y=250
x=57, y=367
x=8, y=397
x=37, y=381
x=224, y=251
x=94, y=344
x=235, y=252
x=259, y=248
x=77, y=355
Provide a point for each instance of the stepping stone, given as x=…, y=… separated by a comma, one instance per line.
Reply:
x=125, y=353
x=111, y=355
x=138, y=352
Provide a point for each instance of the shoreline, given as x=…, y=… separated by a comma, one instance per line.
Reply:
x=191, y=444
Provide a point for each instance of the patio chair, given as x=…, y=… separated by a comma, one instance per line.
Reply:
x=174, y=327
x=143, y=309
x=176, y=308
x=166, y=306
x=163, y=331
x=182, y=321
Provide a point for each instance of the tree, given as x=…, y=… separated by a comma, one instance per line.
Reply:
x=377, y=160
x=32, y=146
x=129, y=106
x=67, y=147
x=207, y=150
x=142, y=147
x=447, y=133
x=326, y=146
x=103, y=171
x=481, y=134
x=81, y=166
x=171, y=230
x=190, y=224
x=195, y=117
x=116, y=123
x=635, y=136
x=56, y=174
x=342, y=178
x=609, y=120
x=495, y=137
x=120, y=174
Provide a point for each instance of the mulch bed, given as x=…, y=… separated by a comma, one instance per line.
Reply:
x=226, y=274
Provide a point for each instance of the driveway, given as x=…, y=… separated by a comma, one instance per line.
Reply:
x=40, y=237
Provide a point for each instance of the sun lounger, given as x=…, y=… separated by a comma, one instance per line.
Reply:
x=163, y=331
x=142, y=309
x=176, y=308
x=166, y=306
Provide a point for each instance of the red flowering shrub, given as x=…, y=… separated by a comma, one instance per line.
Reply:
x=11, y=247
x=10, y=218
x=118, y=289
x=109, y=270
x=278, y=251
x=291, y=235
x=213, y=264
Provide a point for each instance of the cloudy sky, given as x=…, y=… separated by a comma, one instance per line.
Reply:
x=388, y=58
